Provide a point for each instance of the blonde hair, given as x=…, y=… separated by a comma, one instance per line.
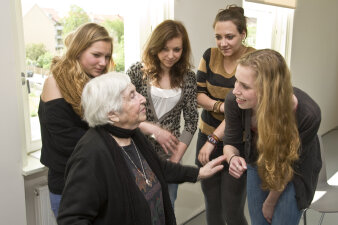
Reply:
x=166, y=31
x=278, y=138
x=67, y=70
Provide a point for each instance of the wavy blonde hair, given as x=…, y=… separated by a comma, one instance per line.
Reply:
x=67, y=70
x=278, y=138
x=166, y=31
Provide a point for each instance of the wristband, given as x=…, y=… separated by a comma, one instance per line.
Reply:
x=231, y=158
x=213, y=139
x=217, y=106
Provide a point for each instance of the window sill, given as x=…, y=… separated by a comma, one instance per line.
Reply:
x=33, y=164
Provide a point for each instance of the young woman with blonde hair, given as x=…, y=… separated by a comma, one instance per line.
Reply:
x=89, y=54
x=165, y=78
x=279, y=124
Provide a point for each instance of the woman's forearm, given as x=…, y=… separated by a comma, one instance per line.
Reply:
x=205, y=102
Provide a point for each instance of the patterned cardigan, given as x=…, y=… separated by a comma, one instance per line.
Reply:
x=171, y=120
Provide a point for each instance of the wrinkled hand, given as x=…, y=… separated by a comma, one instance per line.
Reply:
x=204, y=155
x=211, y=167
x=166, y=139
x=237, y=166
x=268, y=210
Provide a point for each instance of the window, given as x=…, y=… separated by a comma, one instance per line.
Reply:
x=46, y=23
x=269, y=27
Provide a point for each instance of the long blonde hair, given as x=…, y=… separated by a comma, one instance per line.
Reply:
x=67, y=70
x=278, y=138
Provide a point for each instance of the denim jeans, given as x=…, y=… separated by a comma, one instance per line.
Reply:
x=285, y=212
x=172, y=188
x=55, y=203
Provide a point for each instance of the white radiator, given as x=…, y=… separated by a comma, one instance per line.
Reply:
x=43, y=212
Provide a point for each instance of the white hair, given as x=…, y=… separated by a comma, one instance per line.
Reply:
x=102, y=95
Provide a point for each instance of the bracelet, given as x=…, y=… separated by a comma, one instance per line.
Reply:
x=231, y=158
x=213, y=139
x=217, y=106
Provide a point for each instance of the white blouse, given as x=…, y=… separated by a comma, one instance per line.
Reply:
x=164, y=100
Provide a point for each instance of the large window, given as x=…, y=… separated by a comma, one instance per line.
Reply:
x=269, y=27
x=47, y=22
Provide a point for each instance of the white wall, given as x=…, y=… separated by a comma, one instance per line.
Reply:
x=12, y=203
x=314, y=56
x=198, y=17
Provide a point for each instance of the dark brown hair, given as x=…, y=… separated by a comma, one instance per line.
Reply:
x=234, y=14
x=166, y=31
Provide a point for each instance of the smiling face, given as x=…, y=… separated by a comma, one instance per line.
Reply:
x=95, y=58
x=228, y=39
x=171, y=53
x=245, y=90
x=133, y=110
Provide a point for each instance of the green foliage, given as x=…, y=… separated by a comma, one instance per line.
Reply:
x=76, y=17
x=34, y=51
x=251, y=37
x=45, y=60
x=115, y=28
x=119, y=55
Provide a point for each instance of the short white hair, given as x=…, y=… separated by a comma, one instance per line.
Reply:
x=102, y=95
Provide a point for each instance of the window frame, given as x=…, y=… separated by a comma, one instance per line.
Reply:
x=281, y=29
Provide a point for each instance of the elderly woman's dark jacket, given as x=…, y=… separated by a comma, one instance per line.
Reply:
x=94, y=194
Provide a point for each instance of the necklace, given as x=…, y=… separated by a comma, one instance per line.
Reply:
x=143, y=173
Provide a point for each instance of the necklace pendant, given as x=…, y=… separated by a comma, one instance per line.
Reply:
x=148, y=182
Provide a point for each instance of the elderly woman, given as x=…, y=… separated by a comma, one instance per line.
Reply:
x=114, y=176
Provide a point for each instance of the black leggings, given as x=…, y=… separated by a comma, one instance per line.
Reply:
x=224, y=195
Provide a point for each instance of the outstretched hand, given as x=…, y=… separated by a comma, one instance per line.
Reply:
x=211, y=167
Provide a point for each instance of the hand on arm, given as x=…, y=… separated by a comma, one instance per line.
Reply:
x=207, y=148
x=166, y=139
x=237, y=164
x=211, y=168
x=269, y=205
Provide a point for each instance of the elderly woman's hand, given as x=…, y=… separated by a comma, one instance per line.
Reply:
x=211, y=167
x=166, y=139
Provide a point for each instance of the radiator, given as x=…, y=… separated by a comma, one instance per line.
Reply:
x=43, y=212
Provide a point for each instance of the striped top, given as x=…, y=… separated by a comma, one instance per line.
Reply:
x=215, y=82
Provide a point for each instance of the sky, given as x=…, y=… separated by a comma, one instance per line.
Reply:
x=107, y=7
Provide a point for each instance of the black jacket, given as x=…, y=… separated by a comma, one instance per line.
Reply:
x=94, y=195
